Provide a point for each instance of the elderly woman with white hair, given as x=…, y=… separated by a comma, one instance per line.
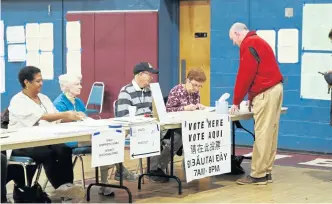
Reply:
x=71, y=87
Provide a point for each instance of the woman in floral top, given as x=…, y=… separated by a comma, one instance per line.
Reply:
x=185, y=97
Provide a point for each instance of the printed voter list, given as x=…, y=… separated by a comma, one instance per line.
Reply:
x=207, y=146
x=107, y=147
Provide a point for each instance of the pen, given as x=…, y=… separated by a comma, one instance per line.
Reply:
x=4, y=137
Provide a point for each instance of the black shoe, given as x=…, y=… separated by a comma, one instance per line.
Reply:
x=269, y=178
x=158, y=176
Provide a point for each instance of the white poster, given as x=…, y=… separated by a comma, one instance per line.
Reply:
x=46, y=37
x=46, y=65
x=207, y=146
x=288, y=45
x=107, y=147
x=73, y=35
x=269, y=36
x=313, y=84
x=144, y=141
x=2, y=75
x=74, y=62
x=15, y=34
x=2, y=40
x=32, y=30
x=316, y=27
x=16, y=53
x=32, y=58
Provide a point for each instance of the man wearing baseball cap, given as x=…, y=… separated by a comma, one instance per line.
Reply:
x=136, y=99
x=137, y=93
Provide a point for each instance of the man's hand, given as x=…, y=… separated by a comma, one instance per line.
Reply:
x=234, y=108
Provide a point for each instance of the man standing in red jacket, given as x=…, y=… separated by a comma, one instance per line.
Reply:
x=259, y=77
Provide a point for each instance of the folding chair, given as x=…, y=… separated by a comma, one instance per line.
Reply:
x=96, y=98
x=24, y=162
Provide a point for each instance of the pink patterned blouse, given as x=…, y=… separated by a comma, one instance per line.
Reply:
x=179, y=97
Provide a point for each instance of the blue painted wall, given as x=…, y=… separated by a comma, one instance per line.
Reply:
x=20, y=12
x=305, y=126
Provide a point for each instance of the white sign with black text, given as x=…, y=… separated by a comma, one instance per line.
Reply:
x=107, y=147
x=207, y=146
x=144, y=141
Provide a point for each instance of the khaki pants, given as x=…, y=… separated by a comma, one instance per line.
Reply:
x=267, y=110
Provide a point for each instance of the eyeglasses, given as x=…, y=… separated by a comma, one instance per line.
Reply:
x=196, y=85
x=148, y=73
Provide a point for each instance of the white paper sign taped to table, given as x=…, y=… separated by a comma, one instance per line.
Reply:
x=207, y=146
x=107, y=147
x=145, y=141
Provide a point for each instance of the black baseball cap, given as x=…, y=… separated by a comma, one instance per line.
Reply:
x=144, y=67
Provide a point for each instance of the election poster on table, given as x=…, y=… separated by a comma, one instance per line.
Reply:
x=144, y=141
x=207, y=146
x=107, y=147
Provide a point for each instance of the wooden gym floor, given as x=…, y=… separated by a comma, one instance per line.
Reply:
x=298, y=178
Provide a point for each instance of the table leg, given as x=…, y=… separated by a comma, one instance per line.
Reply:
x=121, y=186
x=165, y=176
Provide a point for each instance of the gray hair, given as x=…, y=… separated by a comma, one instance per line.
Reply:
x=66, y=80
x=238, y=27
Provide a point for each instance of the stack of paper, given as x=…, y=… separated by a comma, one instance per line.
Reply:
x=132, y=120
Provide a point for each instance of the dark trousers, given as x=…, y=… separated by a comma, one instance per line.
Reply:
x=3, y=178
x=15, y=173
x=331, y=111
x=56, y=160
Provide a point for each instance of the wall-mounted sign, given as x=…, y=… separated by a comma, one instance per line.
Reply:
x=201, y=35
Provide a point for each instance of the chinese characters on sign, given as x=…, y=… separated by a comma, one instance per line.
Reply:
x=207, y=147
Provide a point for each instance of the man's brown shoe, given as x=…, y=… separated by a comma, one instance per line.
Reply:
x=269, y=178
x=251, y=180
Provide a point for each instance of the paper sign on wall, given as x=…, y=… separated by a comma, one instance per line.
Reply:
x=2, y=39
x=288, y=45
x=107, y=147
x=313, y=85
x=15, y=34
x=207, y=147
x=16, y=53
x=46, y=36
x=315, y=26
x=32, y=36
x=73, y=35
x=46, y=65
x=2, y=75
x=74, y=62
x=269, y=36
x=32, y=59
x=144, y=141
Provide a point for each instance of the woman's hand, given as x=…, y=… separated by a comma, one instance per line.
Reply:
x=73, y=116
x=82, y=115
x=190, y=107
x=201, y=106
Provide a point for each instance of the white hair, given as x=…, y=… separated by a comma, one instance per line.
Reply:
x=238, y=27
x=67, y=80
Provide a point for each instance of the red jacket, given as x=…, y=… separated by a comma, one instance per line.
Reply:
x=251, y=77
